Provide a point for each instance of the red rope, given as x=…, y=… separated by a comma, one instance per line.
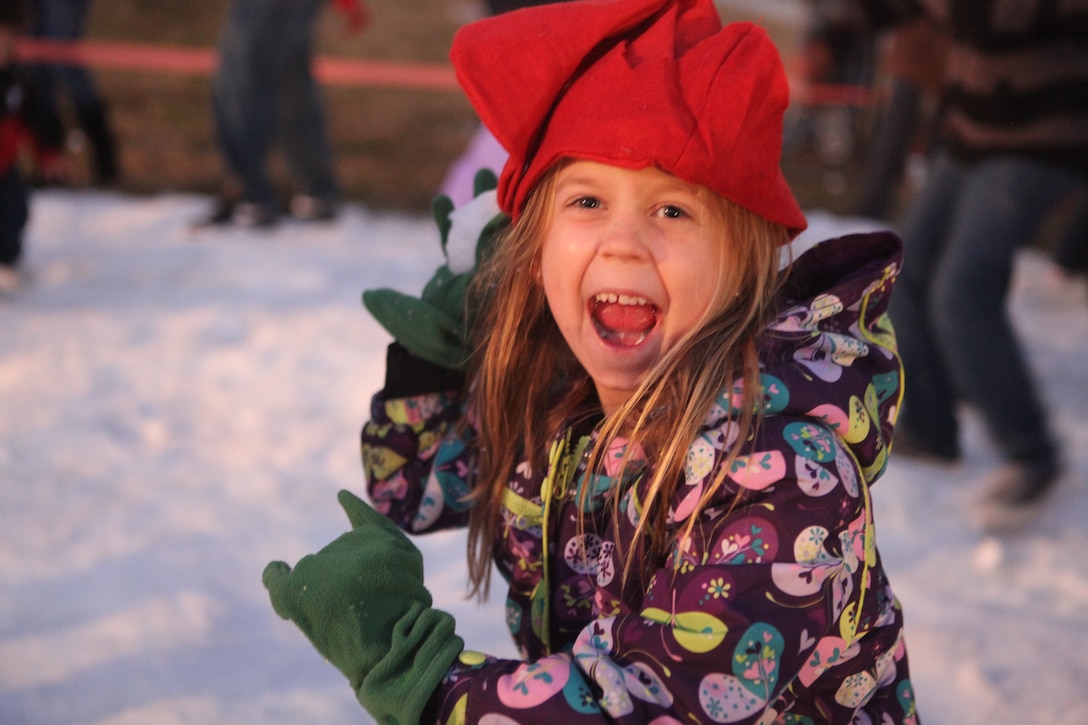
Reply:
x=334, y=71
x=202, y=61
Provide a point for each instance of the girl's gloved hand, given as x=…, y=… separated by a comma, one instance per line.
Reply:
x=362, y=603
x=435, y=326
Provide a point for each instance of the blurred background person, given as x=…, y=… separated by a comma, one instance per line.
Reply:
x=913, y=62
x=1012, y=147
x=21, y=119
x=66, y=21
x=264, y=91
x=1071, y=248
x=838, y=55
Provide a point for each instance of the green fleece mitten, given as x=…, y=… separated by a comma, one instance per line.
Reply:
x=362, y=603
x=435, y=326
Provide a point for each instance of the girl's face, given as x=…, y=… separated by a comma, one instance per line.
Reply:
x=631, y=262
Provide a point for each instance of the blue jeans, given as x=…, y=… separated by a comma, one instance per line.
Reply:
x=960, y=238
x=264, y=92
x=64, y=20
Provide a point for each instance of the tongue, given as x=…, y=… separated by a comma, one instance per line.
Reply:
x=625, y=318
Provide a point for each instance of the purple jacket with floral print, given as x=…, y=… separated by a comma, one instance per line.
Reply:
x=776, y=610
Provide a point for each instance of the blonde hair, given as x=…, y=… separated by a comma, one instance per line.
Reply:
x=526, y=385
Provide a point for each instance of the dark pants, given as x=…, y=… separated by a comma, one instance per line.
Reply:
x=888, y=152
x=961, y=236
x=1071, y=252
x=66, y=20
x=264, y=92
x=14, y=199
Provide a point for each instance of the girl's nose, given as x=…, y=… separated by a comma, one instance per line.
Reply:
x=625, y=238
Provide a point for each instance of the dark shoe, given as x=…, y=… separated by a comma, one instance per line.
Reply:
x=222, y=213
x=1014, y=494
x=904, y=444
x=254, y=216
x=312, y=209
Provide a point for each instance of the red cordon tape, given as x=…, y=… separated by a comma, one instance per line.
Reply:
x=829, y=94
x=202, y=61
x=333, y=71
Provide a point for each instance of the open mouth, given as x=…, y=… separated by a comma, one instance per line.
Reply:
x=622, y=319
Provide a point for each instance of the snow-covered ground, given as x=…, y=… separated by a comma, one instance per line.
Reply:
x=177, y=410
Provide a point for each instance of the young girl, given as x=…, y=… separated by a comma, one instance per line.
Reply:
x=664, y=439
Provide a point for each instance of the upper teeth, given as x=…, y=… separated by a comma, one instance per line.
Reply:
x=622, y=299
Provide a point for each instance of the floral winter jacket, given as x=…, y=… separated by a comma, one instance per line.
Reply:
x=774, y=611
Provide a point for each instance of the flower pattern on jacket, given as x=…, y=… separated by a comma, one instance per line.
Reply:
x=772, y=607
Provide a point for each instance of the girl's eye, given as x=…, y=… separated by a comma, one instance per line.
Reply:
x=672, y=212
x=587, y=202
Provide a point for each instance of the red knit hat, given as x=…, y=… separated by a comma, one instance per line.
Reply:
x=632, y=83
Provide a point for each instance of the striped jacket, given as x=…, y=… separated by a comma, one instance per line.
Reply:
x=1016, y=75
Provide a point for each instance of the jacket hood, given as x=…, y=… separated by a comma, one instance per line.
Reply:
x=829, y=365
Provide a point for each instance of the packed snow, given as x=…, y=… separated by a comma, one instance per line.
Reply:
x=177, y=409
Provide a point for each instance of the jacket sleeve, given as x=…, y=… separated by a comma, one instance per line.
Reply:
x=416, y=452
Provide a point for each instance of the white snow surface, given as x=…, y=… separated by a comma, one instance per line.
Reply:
x=176, y=410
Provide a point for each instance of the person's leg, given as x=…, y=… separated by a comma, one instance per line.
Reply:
x=43, y=76
x=243, y=97
x=303, y=124
x=927, y=423
x=13, y=217
x=66, y=20
x=887, y=155
x=1002, y=204
x=1071, y=251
